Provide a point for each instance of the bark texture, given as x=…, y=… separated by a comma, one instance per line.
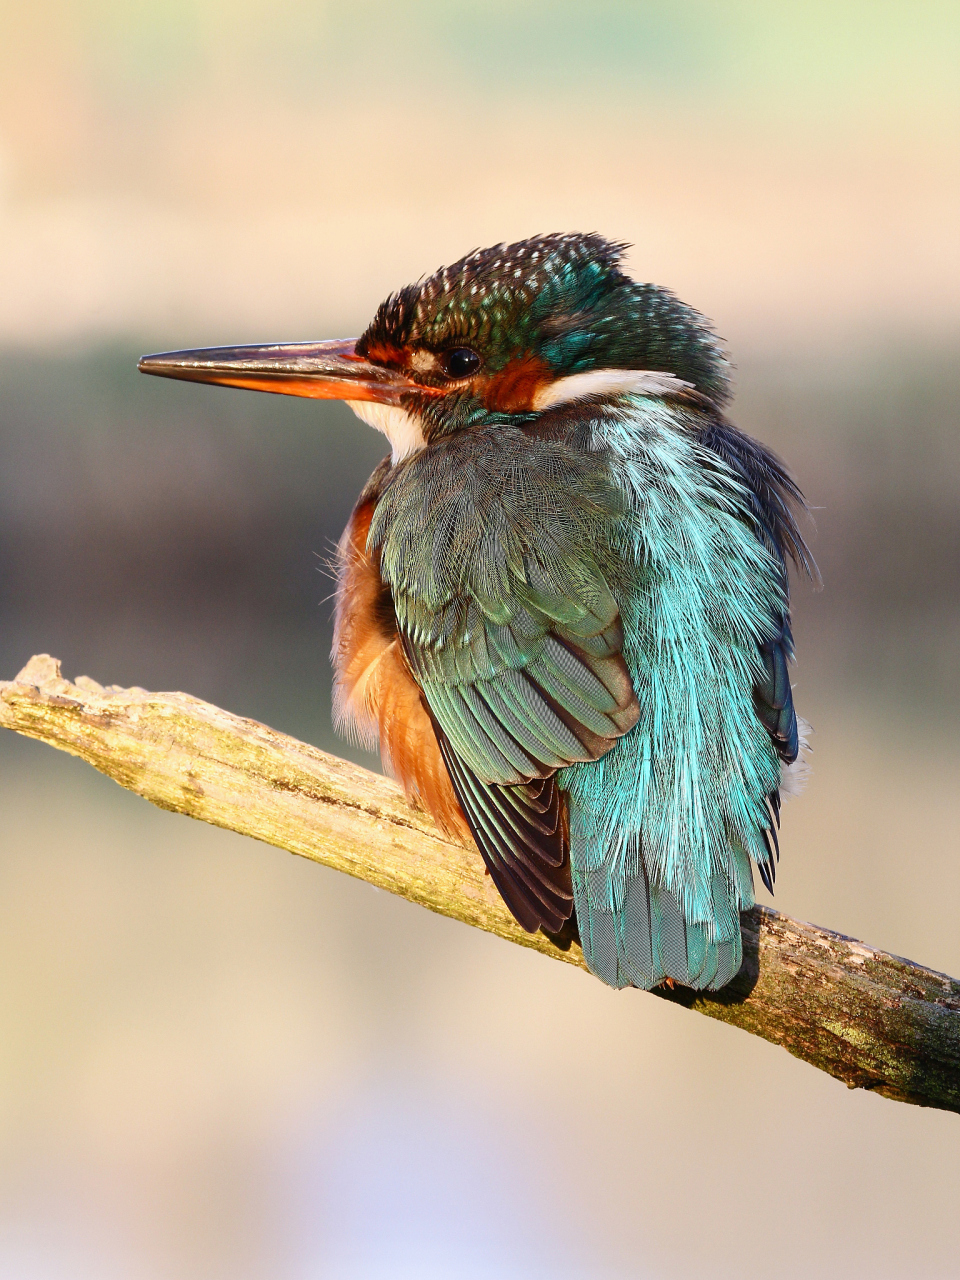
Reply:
x=868, y=1018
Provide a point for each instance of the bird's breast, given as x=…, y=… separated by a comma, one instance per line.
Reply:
x=376, y=698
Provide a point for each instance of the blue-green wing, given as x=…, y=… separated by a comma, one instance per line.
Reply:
x=515, y=696
x=511, y=630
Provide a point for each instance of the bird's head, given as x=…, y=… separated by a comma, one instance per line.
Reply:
x=503, y=335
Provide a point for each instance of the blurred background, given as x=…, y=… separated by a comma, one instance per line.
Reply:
x=217, y=1060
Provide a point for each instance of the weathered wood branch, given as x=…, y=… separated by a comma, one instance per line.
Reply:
x=868, y=1018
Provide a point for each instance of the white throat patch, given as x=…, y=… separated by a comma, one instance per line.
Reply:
x=401, y=429
x=608, y=382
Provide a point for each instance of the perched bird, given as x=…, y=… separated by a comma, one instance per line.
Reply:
x=563, y=598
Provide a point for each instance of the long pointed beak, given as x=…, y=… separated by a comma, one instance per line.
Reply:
x=320, y=370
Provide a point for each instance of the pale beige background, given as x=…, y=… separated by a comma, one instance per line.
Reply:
x=217, y=1061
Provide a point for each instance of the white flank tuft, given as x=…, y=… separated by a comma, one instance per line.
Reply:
x=794, y=777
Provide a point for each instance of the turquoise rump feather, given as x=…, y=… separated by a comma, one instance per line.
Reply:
x=564, y=598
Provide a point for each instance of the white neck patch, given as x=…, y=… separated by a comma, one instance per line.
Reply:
x=401, y=429
x=608, y=382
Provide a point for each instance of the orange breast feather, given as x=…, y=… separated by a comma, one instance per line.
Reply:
x=375, y=696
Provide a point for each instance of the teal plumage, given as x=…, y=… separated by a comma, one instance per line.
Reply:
x=664, y=826
x=563, y=605
x=641, y=521
x=596, y=596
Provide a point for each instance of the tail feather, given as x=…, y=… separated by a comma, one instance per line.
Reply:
x=698, y=949
x=729, y=960
x=646, y=939
x=637, y=933
x=711, y=964
x=598, y=933
x=673, y=940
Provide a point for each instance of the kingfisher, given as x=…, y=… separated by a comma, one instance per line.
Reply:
x=563, y=599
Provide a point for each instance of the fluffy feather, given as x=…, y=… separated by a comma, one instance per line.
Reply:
x=664, y=827
x=587, y=571
x=606, y=607
x=376, y=700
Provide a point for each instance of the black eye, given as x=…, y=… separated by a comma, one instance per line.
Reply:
x=459, y=362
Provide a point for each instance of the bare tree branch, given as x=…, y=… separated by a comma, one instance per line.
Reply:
x=870, y=1019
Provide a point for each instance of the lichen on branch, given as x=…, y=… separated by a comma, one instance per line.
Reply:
x=868, y=1018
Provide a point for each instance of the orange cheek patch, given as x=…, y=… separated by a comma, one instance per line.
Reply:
x=512, y=390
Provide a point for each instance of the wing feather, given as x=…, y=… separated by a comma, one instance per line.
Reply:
x=527, y=859
x=489, y=543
